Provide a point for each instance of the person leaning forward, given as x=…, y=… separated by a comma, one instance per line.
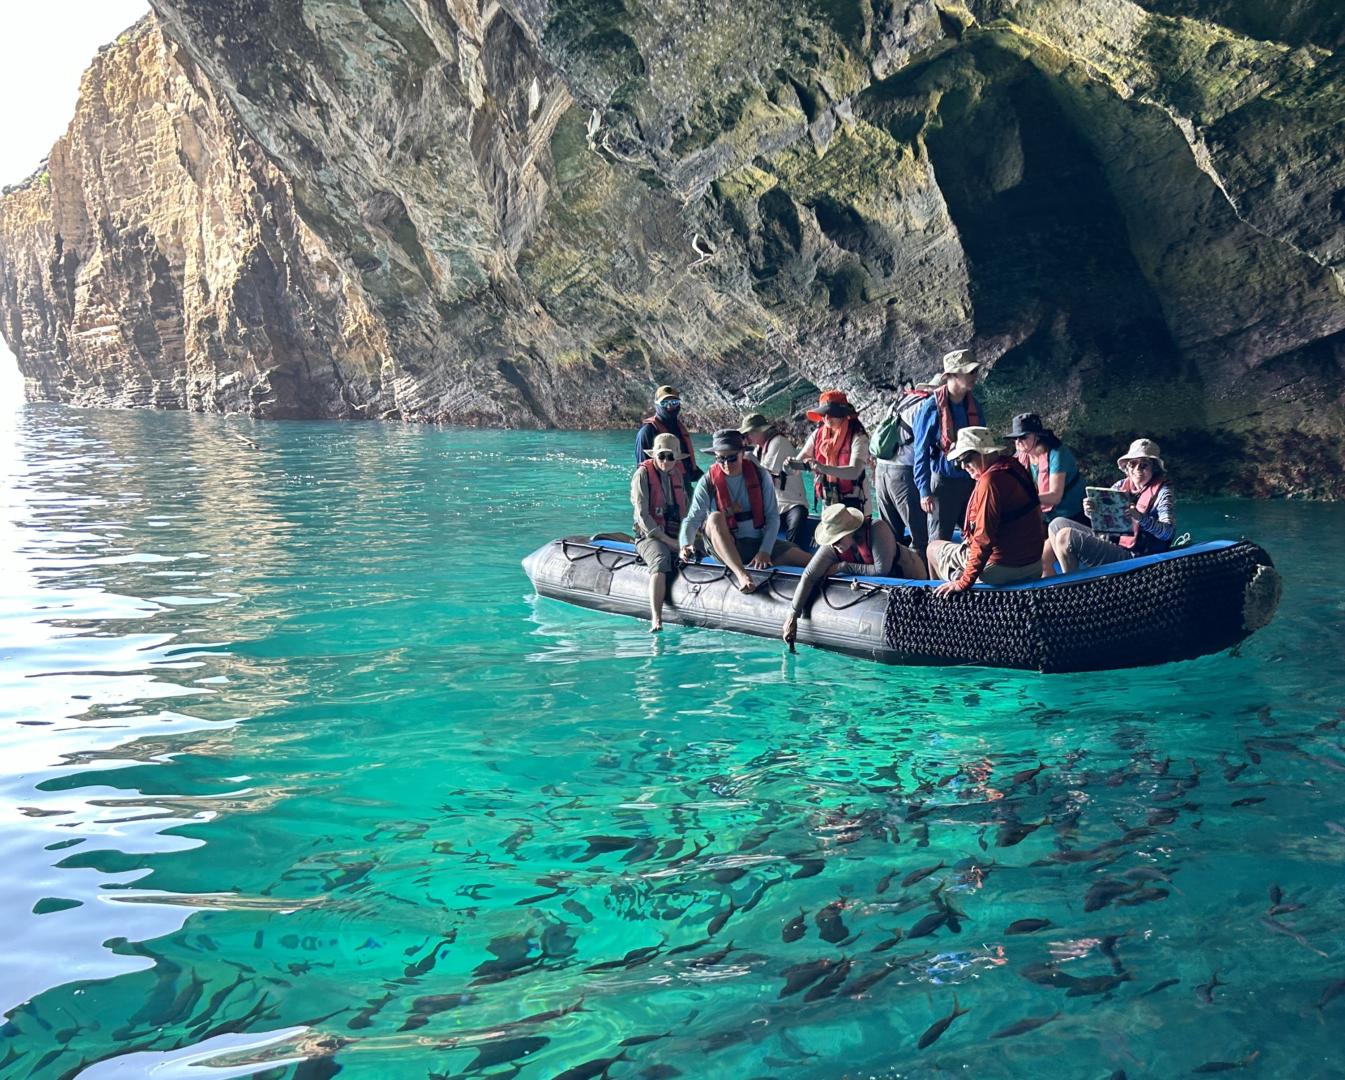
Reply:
x=1003, y=529
x=735, y=503
x=944, y=488
x=848, y=542
x=658, y=497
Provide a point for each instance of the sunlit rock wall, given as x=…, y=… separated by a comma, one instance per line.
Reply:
x=531, y=213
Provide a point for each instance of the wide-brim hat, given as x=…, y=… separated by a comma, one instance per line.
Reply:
x=665, y=392
x=975, y=440
x=725, y=441
x=838, y=521
x=959, y=362
x=753, y=421
x=831, y=403
x=1142, y=448
x=1029, y=423
x=665, y=442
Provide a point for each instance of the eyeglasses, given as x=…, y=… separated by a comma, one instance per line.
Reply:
x=665, y=456
x=727, y=459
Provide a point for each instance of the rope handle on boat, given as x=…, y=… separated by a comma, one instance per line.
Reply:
x=865, y=591
x=565, y=550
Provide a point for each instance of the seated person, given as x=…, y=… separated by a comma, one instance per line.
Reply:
x=735, y=503
x=849, y=543
x=772, y=448
x=658, y=496
x=1051, y=465
x=1078, y=547
x=1002, y=530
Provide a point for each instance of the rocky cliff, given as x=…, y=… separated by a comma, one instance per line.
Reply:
x=533, y=211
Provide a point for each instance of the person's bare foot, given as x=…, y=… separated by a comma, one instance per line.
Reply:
x=746, y=585
x=655, y=627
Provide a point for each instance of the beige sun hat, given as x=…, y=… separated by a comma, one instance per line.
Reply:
x=1142, y=448
x=959, y=362
x=665, y=442
x=838, y=522
x=976, y=440
x=753, y=421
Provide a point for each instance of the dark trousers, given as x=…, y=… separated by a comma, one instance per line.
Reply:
x=899, y=504
x=792, y=525
x=951, y=495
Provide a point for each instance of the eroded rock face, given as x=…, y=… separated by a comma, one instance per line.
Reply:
x=532, y=213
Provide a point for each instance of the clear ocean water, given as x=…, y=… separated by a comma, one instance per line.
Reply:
x=298, y=778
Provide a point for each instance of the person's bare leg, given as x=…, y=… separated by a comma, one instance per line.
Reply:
x=658, y=590
x=1048, y=558
x=793, y=556
x=1068, y=563
x=726, y=550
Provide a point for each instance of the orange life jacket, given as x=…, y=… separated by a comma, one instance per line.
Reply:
x=835, y=450
x=947, y=426
x=657, y=506
x=752, y=478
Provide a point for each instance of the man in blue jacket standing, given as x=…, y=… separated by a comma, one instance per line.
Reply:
x=944, y=488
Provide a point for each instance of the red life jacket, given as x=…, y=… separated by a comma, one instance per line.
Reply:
x=1014, y=468
x=727, y=507
x=1142, y=504
x=657, y=506
x=835, y=451
x=947, y=428
x=859, y=547
x=681, y=432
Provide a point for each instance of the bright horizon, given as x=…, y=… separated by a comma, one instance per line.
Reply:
x=44, y=52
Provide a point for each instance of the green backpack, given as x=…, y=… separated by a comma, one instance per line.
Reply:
x=896, y=430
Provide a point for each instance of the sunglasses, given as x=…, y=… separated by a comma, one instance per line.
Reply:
x=671, y=403
x=1142, y=463
x=727, y=459
x=666, y=456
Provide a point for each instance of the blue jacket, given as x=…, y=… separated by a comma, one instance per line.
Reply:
x=929, y=460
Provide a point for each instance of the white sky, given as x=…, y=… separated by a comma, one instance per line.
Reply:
x=44, y=49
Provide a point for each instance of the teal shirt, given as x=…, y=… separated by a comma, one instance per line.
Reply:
x=1061, y=460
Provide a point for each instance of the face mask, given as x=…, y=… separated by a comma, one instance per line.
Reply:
x=668, y=407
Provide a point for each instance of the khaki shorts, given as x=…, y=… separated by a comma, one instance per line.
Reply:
x=950, y=561
x=658, y=557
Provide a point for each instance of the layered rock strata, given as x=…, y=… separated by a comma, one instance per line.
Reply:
x=532, y=212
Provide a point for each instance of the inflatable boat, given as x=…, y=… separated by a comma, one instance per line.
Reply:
x=1152, y=610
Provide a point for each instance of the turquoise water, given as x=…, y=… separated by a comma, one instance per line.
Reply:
x=298, y=777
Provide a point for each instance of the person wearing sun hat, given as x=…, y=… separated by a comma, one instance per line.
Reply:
x=894, y=475
x=667, y=419
x=735, y=504
x=773, y=449
x=658, y=497
x=837, y=451
x=849, y=542
x=1153, y=516
x=1003, y=528
x=1052, y=467
x=944, y=488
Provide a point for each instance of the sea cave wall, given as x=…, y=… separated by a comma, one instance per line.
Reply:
x=530, y=213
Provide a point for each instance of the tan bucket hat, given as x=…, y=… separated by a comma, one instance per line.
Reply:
x=1142, y=448
x=976, y=440
x=753, y=421
x=959, y=362
x=838, y=522
x=665, y=442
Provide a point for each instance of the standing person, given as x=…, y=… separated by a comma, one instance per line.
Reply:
x=944, y=488
x=1153, y=516
x=735, y=504
x=1003, y=530
x=849, y=543
x=658, y=497
x=1052, y=467
x=772, y=450
x=667, y=419
x=894, y=476
x=838, y=453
